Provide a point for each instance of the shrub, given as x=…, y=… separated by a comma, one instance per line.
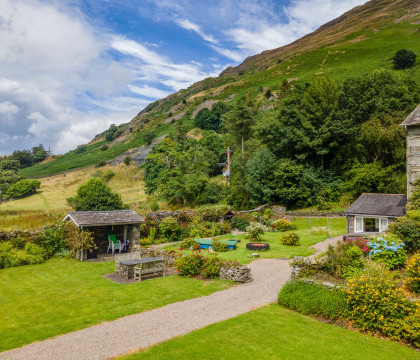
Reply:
x=23, y=187
x=312, y=299
x=240, y=223
x=145, y=242
x=199, y=228
x=188, y=243
x=404, y=59
x=11, y=256
x=219, y=246
x=100, y=163
x=154, y=206
x=95, y=195
x=377, y=304
x=360, y=243
x=127, y=160
x=409, y=231
x=52, y=239
x=255, y=231
x=190, y=265
x=152, y=235
x=412, y=272
x=343, y=260
x=81, y=149
x=107, y=176
x=169, y=229
x=392, y=255
x=77, y=239
x=211, y=267
x=283, y=225
x=291, y=239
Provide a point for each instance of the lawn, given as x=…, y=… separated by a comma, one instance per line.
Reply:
x=60, y=296
x=272, y=332
x=244, y=256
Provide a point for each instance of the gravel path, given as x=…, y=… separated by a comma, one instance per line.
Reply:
x=323, y=245
x=141, y=330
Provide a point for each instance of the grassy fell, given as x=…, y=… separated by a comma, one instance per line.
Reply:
x=49, y=203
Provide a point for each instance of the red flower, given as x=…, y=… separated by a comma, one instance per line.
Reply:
x=181, y=249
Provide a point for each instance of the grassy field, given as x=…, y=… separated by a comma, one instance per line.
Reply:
x=49, y=204
x=60, y=296
x=272, y=332
x=244, y=256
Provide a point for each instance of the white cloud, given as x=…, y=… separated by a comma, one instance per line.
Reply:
x=189, y=25
x=8, y=107
x=149, y=92
x=155, y=68
x=254, y=34
x=230, y=54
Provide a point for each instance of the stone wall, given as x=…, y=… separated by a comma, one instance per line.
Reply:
x=30, y=235
x=237, y=273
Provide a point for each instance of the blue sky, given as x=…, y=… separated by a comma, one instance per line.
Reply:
x=69, y=69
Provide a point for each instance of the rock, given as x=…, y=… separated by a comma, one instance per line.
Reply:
x=255, y=255
x=310, y=260
x=328, y=284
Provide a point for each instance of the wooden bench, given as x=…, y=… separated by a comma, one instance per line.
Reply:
x=149, y=266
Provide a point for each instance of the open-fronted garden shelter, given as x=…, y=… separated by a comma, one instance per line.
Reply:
x=125, y=224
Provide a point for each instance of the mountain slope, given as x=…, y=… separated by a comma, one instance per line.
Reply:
x=360, y=41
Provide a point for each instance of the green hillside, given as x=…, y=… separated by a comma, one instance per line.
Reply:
x=362, y=40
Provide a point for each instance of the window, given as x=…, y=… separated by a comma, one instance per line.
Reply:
x=383, y=224
x=370, y=224
x=358, y=224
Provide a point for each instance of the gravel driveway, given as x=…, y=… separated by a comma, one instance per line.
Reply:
x=145, y=329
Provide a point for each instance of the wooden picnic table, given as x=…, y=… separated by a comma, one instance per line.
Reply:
x=135, y=268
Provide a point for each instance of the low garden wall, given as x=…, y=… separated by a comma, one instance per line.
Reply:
x=228, y=271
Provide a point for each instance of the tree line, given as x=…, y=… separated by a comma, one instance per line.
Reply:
x=323, y=141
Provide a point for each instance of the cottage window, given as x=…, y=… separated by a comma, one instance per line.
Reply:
x=370, y=224
x=358, y=224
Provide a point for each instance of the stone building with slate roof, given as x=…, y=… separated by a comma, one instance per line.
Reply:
x=125, y=224
x=412, y=125
x=372, y=213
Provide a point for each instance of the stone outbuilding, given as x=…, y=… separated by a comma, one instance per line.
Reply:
x=125, y=224
x=412, y=125
x=372, y=213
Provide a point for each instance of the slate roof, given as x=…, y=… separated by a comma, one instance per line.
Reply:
x=101, y=218
x=413, y=119
x=392, y=205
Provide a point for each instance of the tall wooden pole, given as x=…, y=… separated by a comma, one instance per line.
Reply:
x=228, y=167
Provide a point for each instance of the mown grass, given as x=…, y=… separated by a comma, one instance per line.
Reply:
x=272, y=332
x=49, y=204
x=244, y=256
x=59, y=296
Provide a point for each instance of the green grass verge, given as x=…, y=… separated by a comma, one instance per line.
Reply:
x=272, y=332
x=243, y=255
x=60, y=296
